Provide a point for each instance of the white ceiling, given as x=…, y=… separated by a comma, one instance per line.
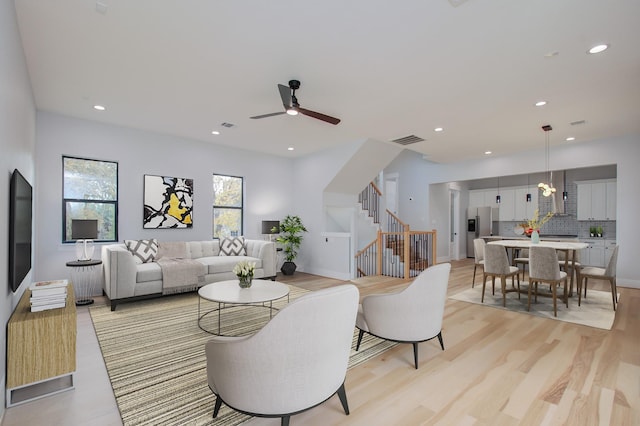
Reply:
x=387, y=69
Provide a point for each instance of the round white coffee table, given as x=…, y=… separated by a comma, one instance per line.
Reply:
x=229, y=293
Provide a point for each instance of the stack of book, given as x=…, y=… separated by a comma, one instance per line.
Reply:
x=48, y=295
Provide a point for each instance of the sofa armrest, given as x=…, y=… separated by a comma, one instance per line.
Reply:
x=265, y=250
x=119, y=272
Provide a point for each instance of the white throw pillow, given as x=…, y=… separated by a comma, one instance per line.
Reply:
x=143, y=250
x=232, y=246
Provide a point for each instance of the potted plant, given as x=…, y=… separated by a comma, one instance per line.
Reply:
x=291, y=229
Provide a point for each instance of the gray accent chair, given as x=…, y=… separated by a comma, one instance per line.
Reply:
x=412, y=315
x=496, y=265
x=522, y=258
x=298, y=360
x=608, y=273
x=478, y=253
x=544, y=268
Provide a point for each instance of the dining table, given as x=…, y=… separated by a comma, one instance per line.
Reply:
x=570, y=249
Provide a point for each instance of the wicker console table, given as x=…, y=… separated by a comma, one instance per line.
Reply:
x=41, y=350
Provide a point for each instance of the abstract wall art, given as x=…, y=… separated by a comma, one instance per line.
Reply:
x=168, y=202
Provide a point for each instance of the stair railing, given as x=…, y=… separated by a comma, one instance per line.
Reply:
x=369, y=198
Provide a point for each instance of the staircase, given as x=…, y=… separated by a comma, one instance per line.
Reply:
x=396, y=252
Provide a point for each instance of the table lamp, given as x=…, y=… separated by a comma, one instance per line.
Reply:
x=270, y=227
x=84, y=231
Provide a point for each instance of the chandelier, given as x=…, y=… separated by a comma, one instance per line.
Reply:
x=547, y=188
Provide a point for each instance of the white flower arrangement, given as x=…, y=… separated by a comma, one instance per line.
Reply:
x=244, y=268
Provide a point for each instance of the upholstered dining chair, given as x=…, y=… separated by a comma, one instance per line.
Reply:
x=496, y=265
x=478, y=253
x=608, y=273
x=412, y=315
x=544, y=268
x=297, y=361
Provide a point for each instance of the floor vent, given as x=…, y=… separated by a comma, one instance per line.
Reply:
x=408, y=140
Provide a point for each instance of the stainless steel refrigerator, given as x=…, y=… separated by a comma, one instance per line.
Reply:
x=479, y=224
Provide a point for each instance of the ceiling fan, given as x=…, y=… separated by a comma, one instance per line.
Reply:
x=292, y=107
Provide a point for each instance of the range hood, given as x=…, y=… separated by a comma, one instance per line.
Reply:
x=558, y=181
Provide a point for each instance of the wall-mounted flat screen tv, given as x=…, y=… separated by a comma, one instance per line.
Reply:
x=20, y=224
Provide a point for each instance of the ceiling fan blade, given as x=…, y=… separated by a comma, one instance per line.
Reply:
x=269, y=115
x=318, y=115
x=285, y=94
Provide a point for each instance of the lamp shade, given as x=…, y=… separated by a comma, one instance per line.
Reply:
x=84, y=229
x=269, y=225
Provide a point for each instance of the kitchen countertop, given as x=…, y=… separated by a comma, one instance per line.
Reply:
x=542, y=237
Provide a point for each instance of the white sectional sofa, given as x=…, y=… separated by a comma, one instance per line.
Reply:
x=126, y=278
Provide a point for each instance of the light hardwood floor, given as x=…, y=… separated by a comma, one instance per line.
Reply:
x=498, y=368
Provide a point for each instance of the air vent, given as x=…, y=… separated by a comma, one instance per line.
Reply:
x=577, y=123
x=408, y=140
x=228, y=125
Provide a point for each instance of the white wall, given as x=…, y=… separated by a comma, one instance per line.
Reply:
x=268, y=188
x=17, y=141
x=623, y=151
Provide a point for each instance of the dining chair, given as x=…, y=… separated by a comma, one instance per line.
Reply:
x=496, y=264
x=544, y=268
x=478, y=252
x=608, y=273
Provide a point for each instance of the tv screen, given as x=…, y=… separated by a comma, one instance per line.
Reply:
x=20, y=218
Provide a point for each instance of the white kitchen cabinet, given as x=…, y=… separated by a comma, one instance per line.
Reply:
x=594, y=254
x=609, y=245
x=611, y=195
x=476, y=198
x=507, y=205
x=594, y=202
x=524, y=210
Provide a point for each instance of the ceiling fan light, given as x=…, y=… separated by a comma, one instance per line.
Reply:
x=292, y=111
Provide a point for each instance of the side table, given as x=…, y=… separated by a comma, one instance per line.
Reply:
x=83, y=277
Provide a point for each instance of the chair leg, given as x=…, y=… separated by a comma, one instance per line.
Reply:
x=415, y=354
x=614, y=292
x=217, y=406
x=473, y=283
x=342, y=394
x=360, y=334
x=493, y=285
x=440, y=340
x=553, y=295
x=503, y=282
x=586, y=281
x=529, y=296
x=284, y=421
x=484, y=284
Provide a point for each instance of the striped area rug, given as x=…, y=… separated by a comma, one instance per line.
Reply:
x=154, y=353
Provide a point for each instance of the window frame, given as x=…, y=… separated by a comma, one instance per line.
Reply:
x=88, y=200
x=214, y=205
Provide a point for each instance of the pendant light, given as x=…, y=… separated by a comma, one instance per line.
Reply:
x=565, y=194
x=528, y=198
x=498, y=199
x=547, y=188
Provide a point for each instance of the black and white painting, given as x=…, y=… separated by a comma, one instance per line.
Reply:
x=168, y=202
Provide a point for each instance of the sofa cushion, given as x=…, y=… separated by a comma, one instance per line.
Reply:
x=198, y=249
x=149, y=271
x=220, y=264
x=172, y=250
x=232, y=246
x=143, y=250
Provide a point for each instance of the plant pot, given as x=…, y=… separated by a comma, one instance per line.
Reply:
x=245, y=282
x=288, y=268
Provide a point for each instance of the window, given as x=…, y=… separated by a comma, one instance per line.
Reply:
x=227, y=206
x=90, y=191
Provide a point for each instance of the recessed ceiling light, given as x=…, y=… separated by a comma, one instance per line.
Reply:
x=215, y=132
x=551, y=54
x=290, y=148
x=99, y=107
x=541, y=103
x=570, y=138
x=487, y=153
x=598, y=48
x=438, y=129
